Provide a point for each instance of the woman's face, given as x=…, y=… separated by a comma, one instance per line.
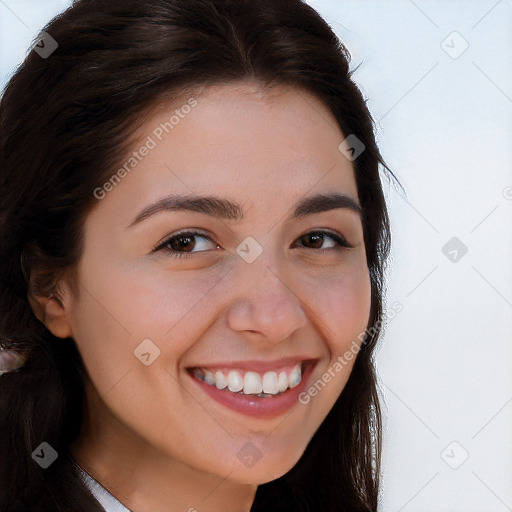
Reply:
x=256, y=298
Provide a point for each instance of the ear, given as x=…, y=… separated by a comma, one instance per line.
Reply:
x=53, y=312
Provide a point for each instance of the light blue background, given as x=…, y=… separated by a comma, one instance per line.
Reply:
x=445, y=129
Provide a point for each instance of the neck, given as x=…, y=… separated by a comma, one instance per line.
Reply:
x=142, y=478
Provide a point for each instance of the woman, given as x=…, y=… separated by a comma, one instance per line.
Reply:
x=193, y=237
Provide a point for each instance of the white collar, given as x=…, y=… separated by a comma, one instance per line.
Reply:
x=106, y=500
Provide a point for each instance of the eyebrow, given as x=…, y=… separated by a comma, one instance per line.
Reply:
x=230, y=210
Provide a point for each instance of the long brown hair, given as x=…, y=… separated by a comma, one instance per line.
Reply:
x=65, y=123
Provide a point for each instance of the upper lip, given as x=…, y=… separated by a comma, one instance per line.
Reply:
x=257, y=365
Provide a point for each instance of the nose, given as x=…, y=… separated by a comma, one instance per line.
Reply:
x=267, y=305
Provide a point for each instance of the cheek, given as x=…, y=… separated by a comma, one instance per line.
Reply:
x=343, y=303
x=142, y=302
x=121, y=305
x=344, y=309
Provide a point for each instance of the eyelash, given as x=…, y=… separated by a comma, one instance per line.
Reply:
x=163, y=246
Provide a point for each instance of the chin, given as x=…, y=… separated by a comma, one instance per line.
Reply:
x=263, y=469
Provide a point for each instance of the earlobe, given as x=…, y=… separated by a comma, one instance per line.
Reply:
x=56, y=319
x=53, y=314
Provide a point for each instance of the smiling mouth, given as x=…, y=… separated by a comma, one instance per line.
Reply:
x=261, y=384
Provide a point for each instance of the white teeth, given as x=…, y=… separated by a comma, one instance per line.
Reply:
x=270, y=383
x=220, y=380
x=209, y=378
x=235, y=381
x=295, y=377
x=282, y=382
x=252, y=384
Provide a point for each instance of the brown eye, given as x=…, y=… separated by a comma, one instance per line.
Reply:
x=182, y=243
x=316, y=239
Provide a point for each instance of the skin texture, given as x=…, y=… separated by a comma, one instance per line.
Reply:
x=150, y=433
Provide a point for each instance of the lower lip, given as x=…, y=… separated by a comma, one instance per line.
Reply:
x=253, y=405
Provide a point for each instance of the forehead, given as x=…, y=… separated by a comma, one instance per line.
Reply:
x=255, y=145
